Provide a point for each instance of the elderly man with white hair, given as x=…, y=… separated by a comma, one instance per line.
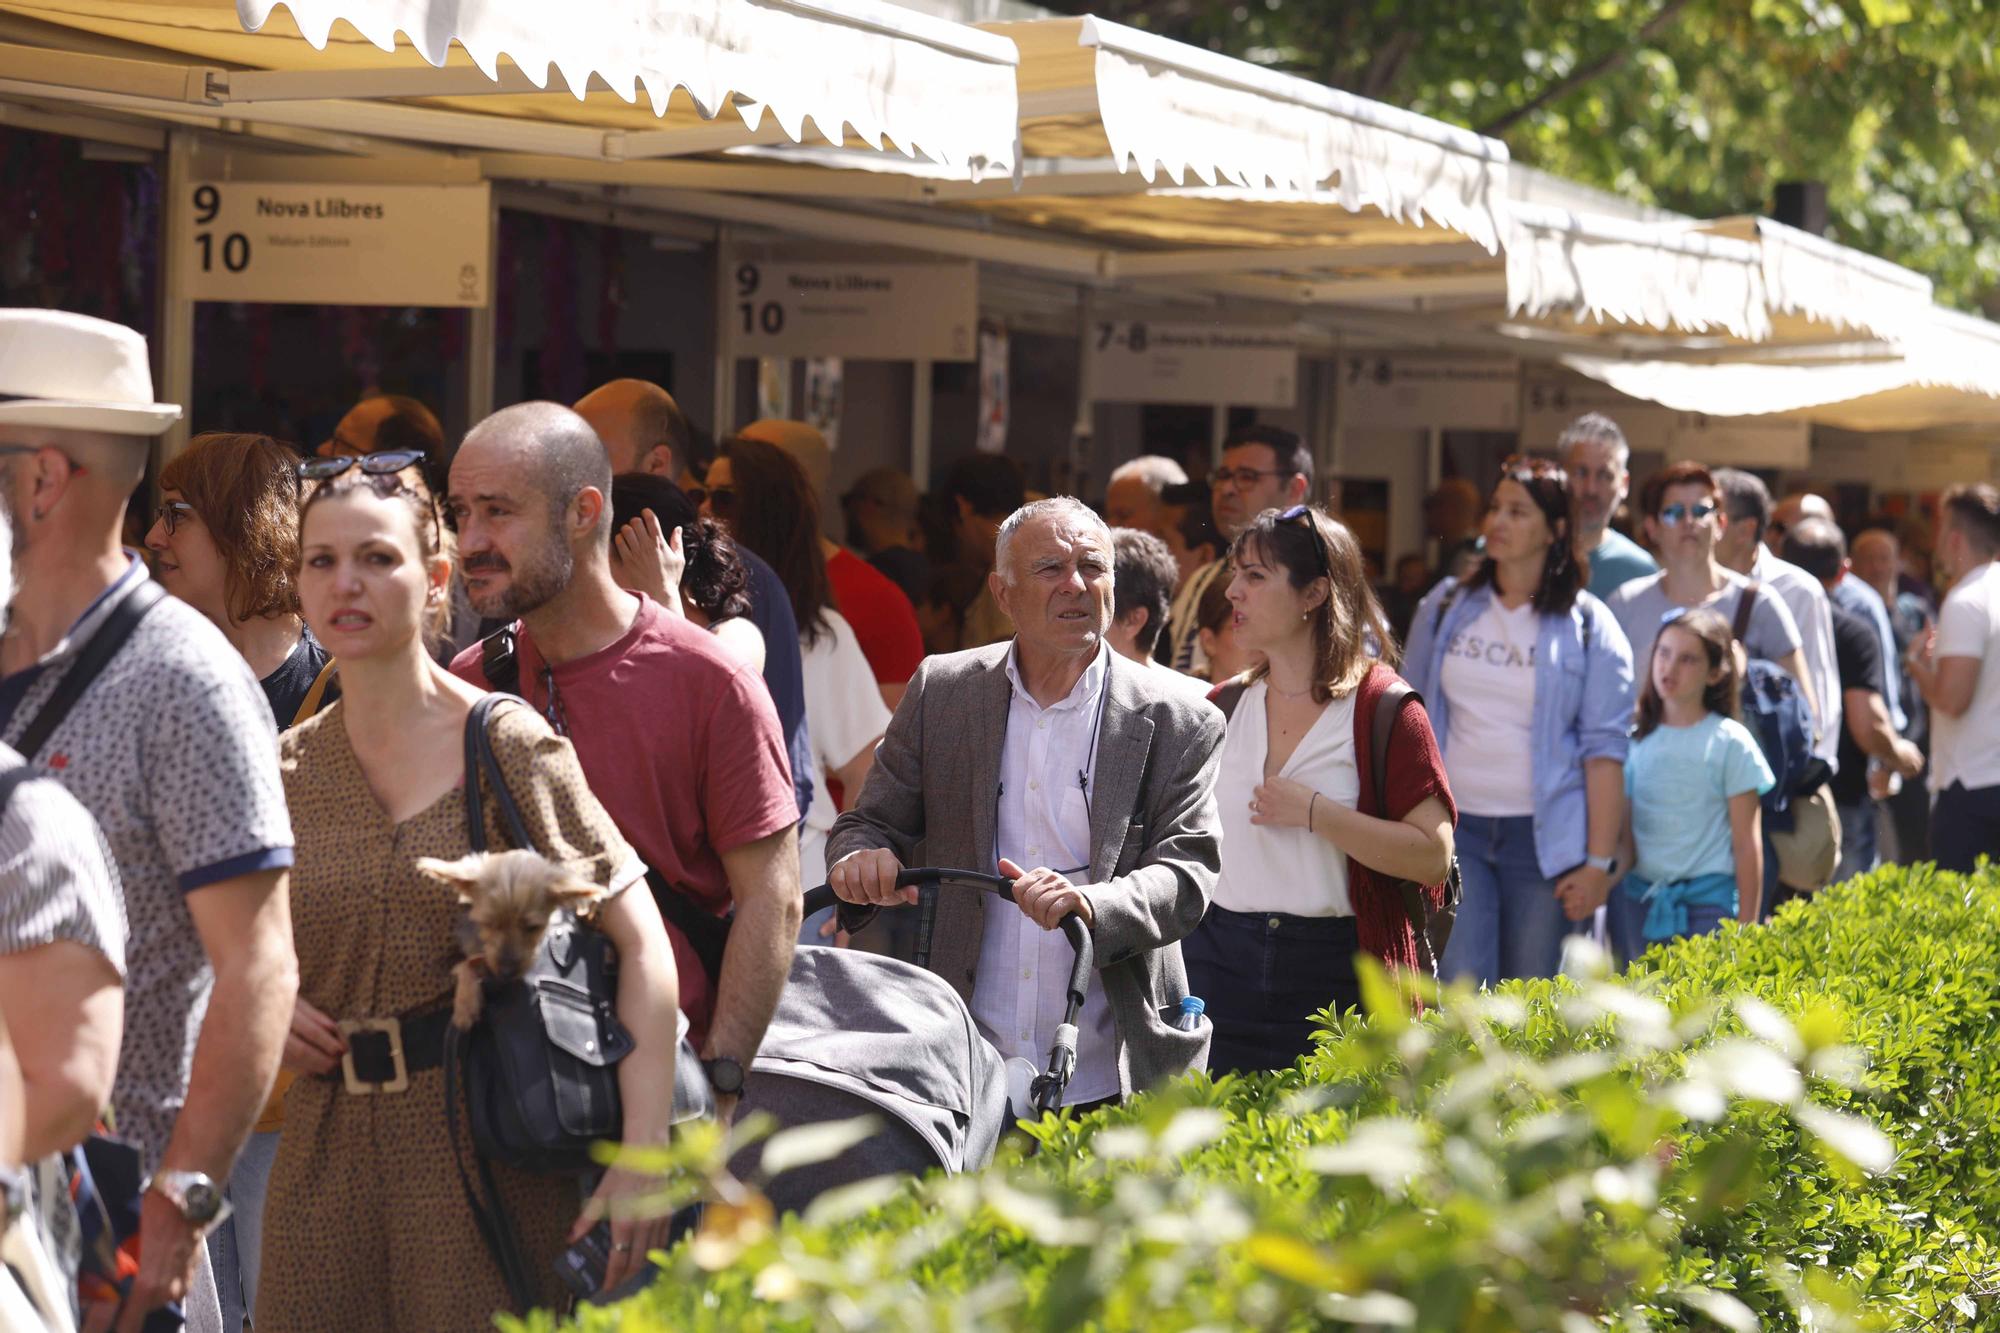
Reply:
x=1132, y=497
x=1076, y=773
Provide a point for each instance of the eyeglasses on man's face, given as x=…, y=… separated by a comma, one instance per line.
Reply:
x=1674, y=515
x=1244, y=477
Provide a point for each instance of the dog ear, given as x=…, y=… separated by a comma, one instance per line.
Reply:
x=571, y=890
x=459, y=875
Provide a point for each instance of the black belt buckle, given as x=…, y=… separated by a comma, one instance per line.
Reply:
x=374, y=1061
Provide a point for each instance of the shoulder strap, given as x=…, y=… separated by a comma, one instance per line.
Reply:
x=310, y=705
x=90, y=663
x=1388, y=707
x=482, y=766
x=1444, y=605
x=496, y=1229
x=500, y=660
x=11, y=780
x=1744, y=606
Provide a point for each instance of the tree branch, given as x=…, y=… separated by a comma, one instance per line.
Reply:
x=1589, y=71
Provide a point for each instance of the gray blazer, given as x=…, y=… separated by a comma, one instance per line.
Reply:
x=1155, y=845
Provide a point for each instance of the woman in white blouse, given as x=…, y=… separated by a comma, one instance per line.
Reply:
x=1300, y=891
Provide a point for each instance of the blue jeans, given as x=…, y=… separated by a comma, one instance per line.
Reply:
x=1509, y=922
x=1625, y=922
x=1858, y=843
x=235, y=1247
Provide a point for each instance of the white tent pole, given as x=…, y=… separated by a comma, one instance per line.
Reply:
x=174, y=331
x=1086, y=384
x=482, y=340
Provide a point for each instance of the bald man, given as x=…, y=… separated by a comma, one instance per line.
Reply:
x=880, y=612
x=677, y=737
x=1852, y=595
x=645, y=431
x=1797, y=505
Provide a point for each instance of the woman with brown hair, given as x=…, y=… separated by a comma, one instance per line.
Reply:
x=369, y=1229
x=226, y=542
x=1529, y=681
x=1308, y=846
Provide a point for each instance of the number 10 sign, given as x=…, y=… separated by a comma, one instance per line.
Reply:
x=338, y=243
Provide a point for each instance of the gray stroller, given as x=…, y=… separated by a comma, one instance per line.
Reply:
x=858, y=1034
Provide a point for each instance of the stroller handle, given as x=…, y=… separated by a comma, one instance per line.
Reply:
x=853, y=917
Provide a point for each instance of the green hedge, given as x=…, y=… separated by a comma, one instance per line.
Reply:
x=1787, y=1126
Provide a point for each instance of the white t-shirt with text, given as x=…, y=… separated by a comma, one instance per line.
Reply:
x=1489, y=676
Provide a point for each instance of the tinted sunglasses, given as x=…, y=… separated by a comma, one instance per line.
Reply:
x=375, y=465
x=1676, y=514
x=1319, y=543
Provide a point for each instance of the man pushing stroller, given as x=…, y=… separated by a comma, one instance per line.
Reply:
x=1078, y=774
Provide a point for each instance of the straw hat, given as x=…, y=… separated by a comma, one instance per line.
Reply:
x=77, y=373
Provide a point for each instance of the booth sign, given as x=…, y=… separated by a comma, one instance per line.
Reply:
x=1139, y=361
x=859, y=311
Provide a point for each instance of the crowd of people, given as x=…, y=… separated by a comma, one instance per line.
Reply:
x=1190, y=718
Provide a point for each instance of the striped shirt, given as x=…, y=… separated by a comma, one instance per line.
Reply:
x=57, y=881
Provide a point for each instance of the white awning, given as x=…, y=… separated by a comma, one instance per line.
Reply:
x=1590, y=269
x=1947, y=373
x=1812, y=278
x=1091, y=89
x=638, y=78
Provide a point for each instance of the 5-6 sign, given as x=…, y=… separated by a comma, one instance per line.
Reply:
x=338, y=244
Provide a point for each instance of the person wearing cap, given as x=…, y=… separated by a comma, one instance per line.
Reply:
x=172, y=748
x=882, y=616
x=645, y=431
x=882, y=525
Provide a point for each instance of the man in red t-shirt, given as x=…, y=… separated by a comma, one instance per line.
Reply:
x=882, y=617
x=679, y=740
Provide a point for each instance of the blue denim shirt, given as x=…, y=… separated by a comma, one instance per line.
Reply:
x=1583, y=705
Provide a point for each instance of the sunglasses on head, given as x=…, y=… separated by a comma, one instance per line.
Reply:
x=1676, y=514
x=375, y=465
x=1319, y=544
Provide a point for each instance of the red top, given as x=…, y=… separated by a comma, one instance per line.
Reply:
x=882, y=616
x=680, y=743
x=1415, y=773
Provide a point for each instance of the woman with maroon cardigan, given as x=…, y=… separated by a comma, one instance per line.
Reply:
x=1304, y=853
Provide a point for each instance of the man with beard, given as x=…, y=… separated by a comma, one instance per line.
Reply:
x=1598, y=461
x=678, y=738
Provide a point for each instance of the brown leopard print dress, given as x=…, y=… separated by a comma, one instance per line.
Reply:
x=366, y=1227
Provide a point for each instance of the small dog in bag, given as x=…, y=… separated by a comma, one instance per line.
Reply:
x=512, y=895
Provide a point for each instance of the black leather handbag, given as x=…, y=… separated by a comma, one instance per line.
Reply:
x=541, y=1065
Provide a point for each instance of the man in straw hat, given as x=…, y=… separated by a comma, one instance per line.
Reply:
x=169, y=743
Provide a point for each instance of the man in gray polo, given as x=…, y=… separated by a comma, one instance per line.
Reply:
x=172, y=748
x=1079, y=774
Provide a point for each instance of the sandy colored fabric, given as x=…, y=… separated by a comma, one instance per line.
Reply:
x=366, y=1227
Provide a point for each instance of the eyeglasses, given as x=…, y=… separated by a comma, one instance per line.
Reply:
x=172, y=512
x=1244, y=476
x=1319, y=544
x=1676, y=514
x=375, y=465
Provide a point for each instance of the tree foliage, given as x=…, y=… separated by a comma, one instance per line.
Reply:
x=1701, y=106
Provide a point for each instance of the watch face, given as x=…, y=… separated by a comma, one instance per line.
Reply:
x=725, y=1076
x=203, y=1202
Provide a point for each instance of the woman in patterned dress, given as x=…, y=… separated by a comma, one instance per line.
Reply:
x=367, y=1226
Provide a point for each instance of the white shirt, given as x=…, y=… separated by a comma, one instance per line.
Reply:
x=844, y=712
x=1267, y=869
x=1489, y=676
x=1046, y=777
x=1805, y=597
x=1967, y=748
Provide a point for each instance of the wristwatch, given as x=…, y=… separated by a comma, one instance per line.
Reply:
x=197, y=1197
x=1608, y=864
x=725, y=1076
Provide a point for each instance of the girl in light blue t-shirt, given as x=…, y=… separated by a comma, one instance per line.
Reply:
x=1693, y=776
